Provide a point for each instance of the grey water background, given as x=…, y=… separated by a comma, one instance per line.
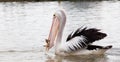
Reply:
x=25, y=25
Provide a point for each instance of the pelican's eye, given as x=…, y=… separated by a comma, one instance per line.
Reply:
x=53, y=14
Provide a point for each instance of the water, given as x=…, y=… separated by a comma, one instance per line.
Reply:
x=25, y=26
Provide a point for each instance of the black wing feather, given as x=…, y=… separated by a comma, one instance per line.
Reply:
x=91, y=34
x=82, y=38
x=78, y=32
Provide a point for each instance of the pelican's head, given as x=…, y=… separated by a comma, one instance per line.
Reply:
x=58, y=23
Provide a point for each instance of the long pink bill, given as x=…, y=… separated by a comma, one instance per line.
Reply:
x=53, y=33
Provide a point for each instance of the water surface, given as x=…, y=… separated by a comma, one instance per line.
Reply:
x=25, y=26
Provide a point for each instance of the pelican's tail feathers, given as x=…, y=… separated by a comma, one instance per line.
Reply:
x=108, y=47
x=95, y=47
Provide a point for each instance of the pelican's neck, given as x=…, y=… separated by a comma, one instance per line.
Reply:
x=61, y=28
x=59, y=38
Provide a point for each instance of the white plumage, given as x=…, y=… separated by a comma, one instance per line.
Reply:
x=78, y=42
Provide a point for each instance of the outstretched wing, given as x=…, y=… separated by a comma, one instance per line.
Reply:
x=92, y=34
x=81, y=38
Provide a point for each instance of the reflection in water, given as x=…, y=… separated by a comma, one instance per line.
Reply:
x=90, y=58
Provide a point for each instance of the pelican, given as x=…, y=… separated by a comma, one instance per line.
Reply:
x=78, y=42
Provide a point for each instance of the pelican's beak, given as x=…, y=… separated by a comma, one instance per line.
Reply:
x=53, y=33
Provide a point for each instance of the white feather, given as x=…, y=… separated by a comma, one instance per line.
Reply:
x=73, y=42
